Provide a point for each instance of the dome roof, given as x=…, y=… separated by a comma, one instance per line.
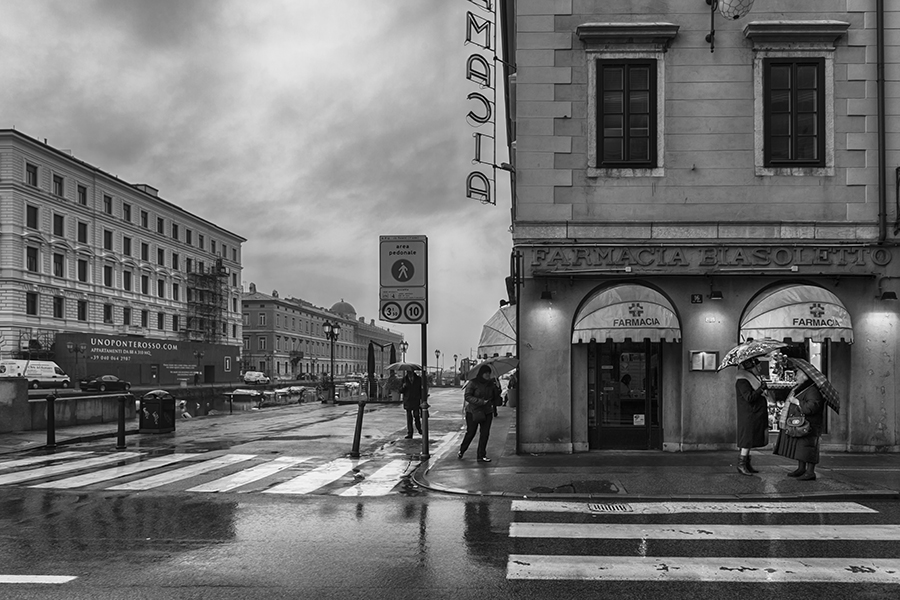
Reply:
x=343, y=308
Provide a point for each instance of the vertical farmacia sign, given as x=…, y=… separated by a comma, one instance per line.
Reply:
x=481, y=73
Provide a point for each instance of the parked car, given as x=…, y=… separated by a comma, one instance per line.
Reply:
x=256, y=377
x=104, y=383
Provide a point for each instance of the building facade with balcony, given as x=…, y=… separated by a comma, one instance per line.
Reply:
x=678, y=191
x=284, y=337
x=104, y=276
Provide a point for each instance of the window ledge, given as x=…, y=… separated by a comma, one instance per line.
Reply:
x=626, y=172
x=605, y=34
x=795, y=171
x=791, y=33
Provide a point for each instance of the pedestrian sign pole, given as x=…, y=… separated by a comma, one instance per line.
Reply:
x=403, y=297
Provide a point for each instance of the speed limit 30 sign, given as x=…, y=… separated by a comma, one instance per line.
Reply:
x=404, y=278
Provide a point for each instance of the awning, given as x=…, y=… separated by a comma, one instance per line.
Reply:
x=626, y=311
x=498, y=335
x=797, y=312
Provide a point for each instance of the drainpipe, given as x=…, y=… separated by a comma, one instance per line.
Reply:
x=882, y=152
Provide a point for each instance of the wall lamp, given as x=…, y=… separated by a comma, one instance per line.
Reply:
x=716, y=295
x=730, y=9
x=546, y=294
x=885, y=294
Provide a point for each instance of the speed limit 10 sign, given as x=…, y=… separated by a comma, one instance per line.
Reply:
x=404, y=278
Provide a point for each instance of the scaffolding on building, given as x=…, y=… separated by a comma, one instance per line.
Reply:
x=207, y=304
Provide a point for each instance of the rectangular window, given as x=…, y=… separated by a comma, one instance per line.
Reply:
x=260, y=343
x=126, y=280
x=160, y=321
x=108, y=313
x=145, y=318
x=160, y=225
x=161, y=257
x=261, y=319
x=107, y=239
x=31, y=259
x=175, y=291
x=145, y=219
x=126, y=316
x=107, y=275
x=82, y=195
x=794, y=112
x=31, y=217
x=626, y=113
x=174, y=322
x=126, y=246
x=126, y=211
x=31, y=303
x=160, y=288
x=175, y=260
x=174, y=231
x=145, y=251
x=234, y=254
x=59, y=265
x=82, y=310
x=200, y=241
x=82, y=270
x=59, y=188
x=31, y=174
x=145, y=284
x=59, y=225
x=234, y=279
x=188, y=264
x=59, y=307
x=107, y=204
x=82, y=233
x=188, y=237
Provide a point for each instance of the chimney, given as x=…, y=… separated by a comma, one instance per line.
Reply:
x=148, y=189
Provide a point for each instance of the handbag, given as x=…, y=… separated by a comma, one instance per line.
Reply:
x=478, y=416
x=796, y=424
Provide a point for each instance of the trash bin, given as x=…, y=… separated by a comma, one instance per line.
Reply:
x=157, y=412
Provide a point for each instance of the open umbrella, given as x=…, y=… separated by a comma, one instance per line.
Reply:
x=748, y=350
x=499, y=365
x=829, y=394
x=403, y=366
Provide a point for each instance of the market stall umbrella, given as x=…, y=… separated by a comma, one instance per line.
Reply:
x=499, y=365
x=498, y=335
x=748, y=350
x=832, y=399
x=404, y=366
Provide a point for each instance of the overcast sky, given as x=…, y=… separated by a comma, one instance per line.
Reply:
x=309, y=127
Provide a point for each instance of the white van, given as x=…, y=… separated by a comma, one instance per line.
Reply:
x=39, y=373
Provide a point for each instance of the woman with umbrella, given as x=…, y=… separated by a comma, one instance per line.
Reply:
x=807, y=399
x=482, y=394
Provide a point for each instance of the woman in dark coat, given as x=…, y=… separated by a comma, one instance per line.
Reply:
x=805, y=450
x=482, y=396
x=411, y=389
x=752, y=413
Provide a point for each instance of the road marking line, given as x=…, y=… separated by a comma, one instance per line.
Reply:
x=42, y=459
x=65, y=468
x=316, y=478
x=695, y=568
x=183, y=473
x=662, y=508
x=37, y=578
x=705, y=532
x=241, y=478
x=383, y=480
x=113, y=473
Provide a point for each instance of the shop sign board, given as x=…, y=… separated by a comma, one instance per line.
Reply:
x=404, y=278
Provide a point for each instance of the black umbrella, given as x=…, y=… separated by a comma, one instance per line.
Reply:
x=393, y=354
x=370, y=366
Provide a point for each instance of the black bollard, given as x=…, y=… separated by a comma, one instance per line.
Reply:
x=51, y=420
x=354, y=452
x=120, y=437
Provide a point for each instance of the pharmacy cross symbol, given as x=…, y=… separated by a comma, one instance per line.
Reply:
x=402, y=270
x=635, y=309
x=816, y=310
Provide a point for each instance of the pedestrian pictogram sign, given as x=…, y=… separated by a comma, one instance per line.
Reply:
x=404, y=278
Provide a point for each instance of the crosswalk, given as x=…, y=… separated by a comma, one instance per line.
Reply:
x=200, y=473
x=722, y=542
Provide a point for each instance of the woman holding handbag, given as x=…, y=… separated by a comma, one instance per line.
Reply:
x=482, y=396
x=801, y=424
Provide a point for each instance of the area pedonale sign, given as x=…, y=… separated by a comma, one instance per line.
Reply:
x=403, y=270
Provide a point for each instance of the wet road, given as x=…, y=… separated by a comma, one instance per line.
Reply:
x=415, y=545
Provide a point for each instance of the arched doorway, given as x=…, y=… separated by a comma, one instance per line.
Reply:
x=624, y=327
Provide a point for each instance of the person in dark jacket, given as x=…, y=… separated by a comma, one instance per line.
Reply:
x=805, y=396
x=411, y=390
x=482, y=396
x=752, y=413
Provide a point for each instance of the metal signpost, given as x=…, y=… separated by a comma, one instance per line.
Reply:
x=403, y=296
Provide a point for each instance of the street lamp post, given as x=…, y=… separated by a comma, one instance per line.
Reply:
x=332, y=331
x=198, y=355
x=76, y=349
x=404, y=346
x=455, y=372
x=437, y=357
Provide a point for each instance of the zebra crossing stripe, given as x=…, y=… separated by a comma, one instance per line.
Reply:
x=383, y=480
x=37, y=578
x=241, y=478
x=183, y=473
x=42, y=472
x=707, y=569
x=113, y=473
x=665, y=508
x=11, y=464
x=705, y=532
x=316, y=478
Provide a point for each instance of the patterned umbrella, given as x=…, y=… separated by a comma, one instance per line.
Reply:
x=832, y=399
x=403, y=366
x=749, y=350
x=499, y=365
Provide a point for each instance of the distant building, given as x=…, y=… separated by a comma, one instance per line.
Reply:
x=283, y=337
x=104, y=276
